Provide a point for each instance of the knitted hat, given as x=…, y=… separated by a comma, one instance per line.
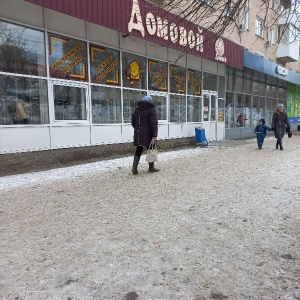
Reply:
x=280, y=105
x=147, y=98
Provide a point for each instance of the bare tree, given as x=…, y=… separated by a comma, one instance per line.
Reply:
x=225, y=16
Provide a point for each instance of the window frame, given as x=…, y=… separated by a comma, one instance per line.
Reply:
x=259, y=27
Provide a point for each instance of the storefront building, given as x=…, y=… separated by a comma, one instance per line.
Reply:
x=72, y=73
x=254, y=92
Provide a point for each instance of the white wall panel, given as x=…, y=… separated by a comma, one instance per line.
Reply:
x=191, y=128
x=176, y=130
x=21, y=139
x=163, y=131
x=127, y=133
x=70, y=136
x=104, y=134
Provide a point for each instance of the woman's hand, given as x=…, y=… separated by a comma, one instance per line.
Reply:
x=154, y=139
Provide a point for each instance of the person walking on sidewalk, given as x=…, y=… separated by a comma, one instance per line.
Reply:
x=261, y=132
x=145, y=124
x=280, y=124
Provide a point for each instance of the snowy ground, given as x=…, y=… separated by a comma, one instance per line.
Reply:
x=214, y=223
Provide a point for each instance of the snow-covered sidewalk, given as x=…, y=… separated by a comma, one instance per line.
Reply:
x=214, y=223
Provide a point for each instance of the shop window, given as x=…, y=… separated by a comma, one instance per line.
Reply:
x=194, y=109
x=130, y=99
x=239, y=83
x=67, y=58
x=256, y=88
x=270, y=109
x=22, y=50
x=243, y=111
x=229, y=112
x=157, y=76
x=194, y=82
x=177, y=79
x=221, y=109
x=134, y=71
x=248, y=84
x=69, y=103
x=262, y=89
x=177, y=108
x=274, y=92
x=206, y=108
x=160, y=101
x=258, y=110
x=104, y=65
x=230, y=81
x=210, y=82
x=106, y=105
x=23, y=100
x=221, y=87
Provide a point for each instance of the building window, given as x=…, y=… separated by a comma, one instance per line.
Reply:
x=194, y=109
x=259, y=27
x=106, y=105
x=69, y=103
x=67, y=58
x=245, y=19
x=209, y=2
x=104, y=65
x=194, y=82
x=130, y=99
x=271, y=36
x=177, y=79
x=157, y=76
x=134, y=71
x=177, y=108
x=23, y=100
x=210, y=82
x=273, y=4
x=22, y=50
x=227, y=8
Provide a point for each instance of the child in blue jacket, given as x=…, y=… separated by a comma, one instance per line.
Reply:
x=261, y=132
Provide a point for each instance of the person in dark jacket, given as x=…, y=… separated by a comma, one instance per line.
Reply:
x=280, y=124
x=261, y=132
x=145, y=124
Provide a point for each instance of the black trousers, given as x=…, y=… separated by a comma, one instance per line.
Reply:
x=139, y=150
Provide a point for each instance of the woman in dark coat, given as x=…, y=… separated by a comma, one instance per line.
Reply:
x=144, y=122
x=280, y=124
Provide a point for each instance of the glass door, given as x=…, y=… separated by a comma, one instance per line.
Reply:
x=210, y=114
x=70, y=103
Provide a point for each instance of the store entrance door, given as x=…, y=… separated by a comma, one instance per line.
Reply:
x=210, y=109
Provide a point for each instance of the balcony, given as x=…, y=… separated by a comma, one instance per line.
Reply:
x=288, y=47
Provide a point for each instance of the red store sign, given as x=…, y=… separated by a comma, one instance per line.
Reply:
x=142, y=19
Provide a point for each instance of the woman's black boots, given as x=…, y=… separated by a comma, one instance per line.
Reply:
x=281, y=148
x=277, y=144
x=136, y=161
x=151, y=168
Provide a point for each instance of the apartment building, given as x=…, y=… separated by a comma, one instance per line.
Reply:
x=72, y=72
x=271, y=67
